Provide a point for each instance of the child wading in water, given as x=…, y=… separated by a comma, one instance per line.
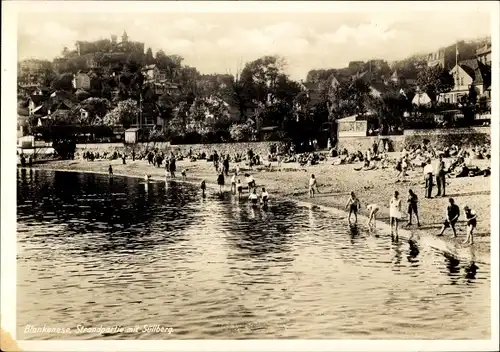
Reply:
x=239, y=186
x=373, y=209
x=254, y=198
x=220, y=181
x=233, y=183
x=264, y=197
x=395, y=214
x=203, y=187
x=471, y=217
x=353, y=204
x=313, y=186
x=412, y=207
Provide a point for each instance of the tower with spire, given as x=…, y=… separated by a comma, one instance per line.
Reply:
x=124, y=37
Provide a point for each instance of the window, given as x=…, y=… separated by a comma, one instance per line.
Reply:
x=461, y=81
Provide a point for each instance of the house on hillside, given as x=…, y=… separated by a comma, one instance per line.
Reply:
x=313, y=91
x=81, y=81
x=469, y=73
x=483, y=54
x=402, y=79
x=153, y=73
x=422, y=99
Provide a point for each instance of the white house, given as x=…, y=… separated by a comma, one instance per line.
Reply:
x=81, y=81
x=421, y=98
x=153, y=73
x=466, y=74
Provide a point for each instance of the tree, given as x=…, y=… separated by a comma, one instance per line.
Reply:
x=63, y=82
x=241, y=132
x=149, y=57
x=97, y=109
x=124, y=114
x=389, y=109
x=348, y=98
x=262, y=75
x=435, y=80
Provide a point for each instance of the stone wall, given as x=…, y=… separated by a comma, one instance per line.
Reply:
x=463, y=137
x=466, y=137
x=260, y=148
x=353, y=144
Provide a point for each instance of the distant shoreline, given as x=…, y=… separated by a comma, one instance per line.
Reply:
x=138, y=169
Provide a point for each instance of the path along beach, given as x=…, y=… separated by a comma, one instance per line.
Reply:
x=335, y=183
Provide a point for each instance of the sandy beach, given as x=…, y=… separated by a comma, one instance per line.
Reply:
x=335, y=183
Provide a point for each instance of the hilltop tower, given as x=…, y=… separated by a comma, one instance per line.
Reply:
x=124, y=37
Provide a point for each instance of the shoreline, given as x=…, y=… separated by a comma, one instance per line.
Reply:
x=444, y=244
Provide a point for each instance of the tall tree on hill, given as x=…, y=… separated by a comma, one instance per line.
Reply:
x=63, y=82
x=149, y=57
x=435, y=80
x=262, y=75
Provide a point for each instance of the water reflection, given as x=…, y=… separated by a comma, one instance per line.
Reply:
x=111, y=252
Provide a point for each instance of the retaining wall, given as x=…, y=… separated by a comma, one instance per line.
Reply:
x=463, y=137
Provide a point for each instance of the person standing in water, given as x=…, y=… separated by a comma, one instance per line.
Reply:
x=203, y=187
x=253, y=198
x=395, y=214
x=172, y=167
x=240, y=189
x=353, y=204
x=452, y=215
x=313, y=186
x=264, y=197
x=412, y=207
x=110, y=170
x=373, y=209
x=471, y=216
x=233, y=183
x=220, y=181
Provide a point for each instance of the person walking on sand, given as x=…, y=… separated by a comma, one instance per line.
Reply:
x=373, y=209
x=233, y=183
x=203, y=187
x=412, y=207
x=313, y=186
x=264, y=197
x=110, y=170
x=441, y=178
x=239, y=186
x=353, y=204
x=395, y=214
x=452, y=215
x=471, y=216
x=428, y=176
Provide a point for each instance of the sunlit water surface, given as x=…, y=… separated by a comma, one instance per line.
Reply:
x=97, y=253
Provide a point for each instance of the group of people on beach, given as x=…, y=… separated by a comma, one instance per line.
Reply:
x=411, y=156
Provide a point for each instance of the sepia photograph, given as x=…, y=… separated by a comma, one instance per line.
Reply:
x=225, y=171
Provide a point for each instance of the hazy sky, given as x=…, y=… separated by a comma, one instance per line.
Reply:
x=217, y=42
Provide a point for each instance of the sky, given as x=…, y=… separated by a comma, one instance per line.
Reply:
x=222, y=42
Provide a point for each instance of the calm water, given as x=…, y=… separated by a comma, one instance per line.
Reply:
x=97, y=253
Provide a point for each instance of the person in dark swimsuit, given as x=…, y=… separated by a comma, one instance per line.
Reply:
x=471, y=217
x=264, y=197
x=412, y=207
x=203, y=187
x=452, y=215
x=220, y=181
x=240, y=189
x=353, y=205
x=110, y=170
